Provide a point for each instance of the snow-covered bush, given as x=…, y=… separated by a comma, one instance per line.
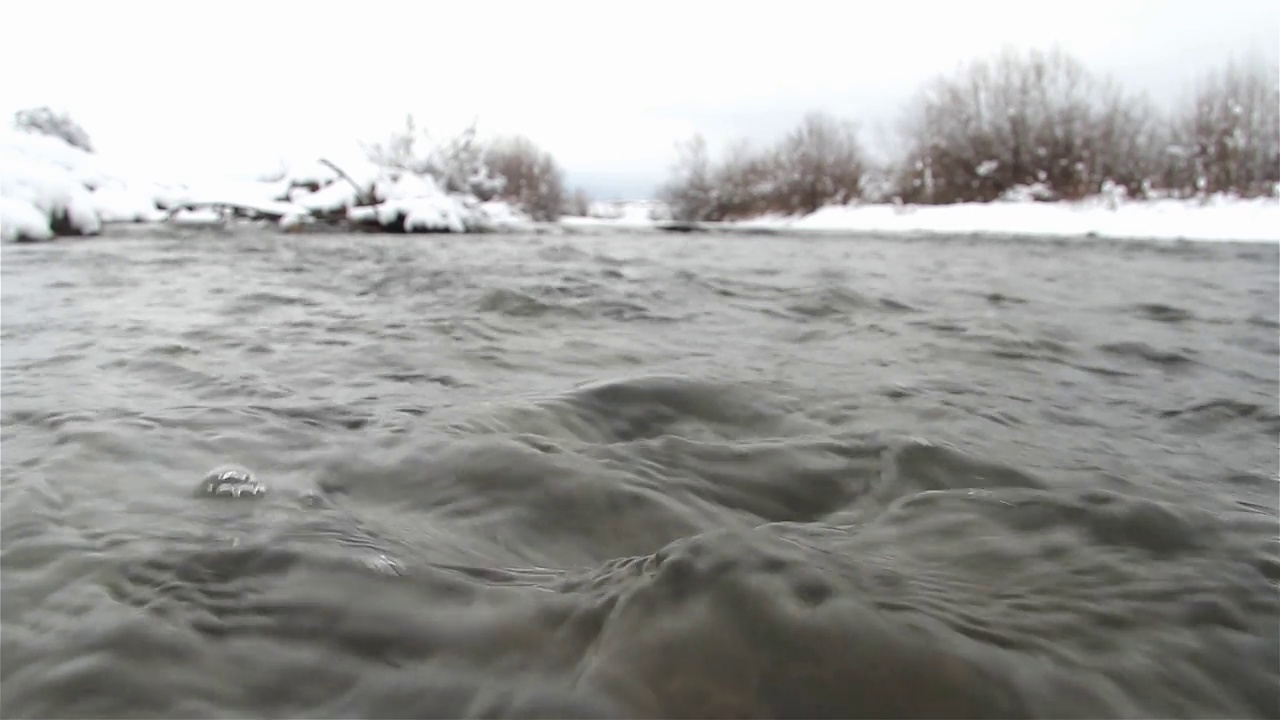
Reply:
x=45, y=188
x=418, y=204
x=20, y=220
x=73, y=190
x=511, y=169
x=1033, y=192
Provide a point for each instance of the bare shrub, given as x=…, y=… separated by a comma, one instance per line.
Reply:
x=1226, y=137
x=60, y=125
x=819, y=163
x=578, y=203
x=1034, y=119
x=399, y=150
x=531, y=178
x=688, y=192
x=457, y=164
x=745, y=182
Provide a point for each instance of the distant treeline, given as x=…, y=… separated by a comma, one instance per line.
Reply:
x=1035, y=123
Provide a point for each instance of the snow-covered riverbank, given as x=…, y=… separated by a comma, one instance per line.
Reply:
x=49, y=188
x=1219, y=218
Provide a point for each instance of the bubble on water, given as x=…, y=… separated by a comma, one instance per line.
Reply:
x=383, y=564
x=232, y=481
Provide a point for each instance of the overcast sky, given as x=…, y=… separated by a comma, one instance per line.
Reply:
x=606, y=86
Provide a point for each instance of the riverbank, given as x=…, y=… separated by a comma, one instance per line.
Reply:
x=1216, y=218
x=48, y=189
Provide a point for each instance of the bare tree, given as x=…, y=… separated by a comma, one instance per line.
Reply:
x=819, y=163
x=399, y=151
x=1128, y=142
x=744, y=183
x=689, y=191
x=531, y=178
x=1034, y=119
x=459, y=165
x=578, y=203
x=60, y=125
x=1227, y=137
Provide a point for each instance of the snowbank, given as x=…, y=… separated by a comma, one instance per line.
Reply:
x=198, y=217
x=20, y=220
x=416, y=203
x=1221, y=218
x=334, y=197
x=1218, y=218
x=47, y=190
x=499, y=215
x=49, y=187
x=304, y=191
x=629, y=211
x=73, y=190
x=621, y=214
x=118, y=202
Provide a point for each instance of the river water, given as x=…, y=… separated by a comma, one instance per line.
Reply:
x=638, y=475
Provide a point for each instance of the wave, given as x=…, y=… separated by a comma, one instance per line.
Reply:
x=946, y=502
x=660, y=546
x=835, y=301
x=1160, y=312
x=1144, y=351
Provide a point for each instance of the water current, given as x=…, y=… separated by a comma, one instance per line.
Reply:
x=639, y=476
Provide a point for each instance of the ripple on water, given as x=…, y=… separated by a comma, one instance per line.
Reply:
x=639, y=477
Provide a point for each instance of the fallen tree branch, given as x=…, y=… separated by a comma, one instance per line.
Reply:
x=273, y=210
x=363, y=197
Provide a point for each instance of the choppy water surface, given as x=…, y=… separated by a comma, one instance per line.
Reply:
x=678, y=476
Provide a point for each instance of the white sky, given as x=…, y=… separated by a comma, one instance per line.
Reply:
x=607, y=87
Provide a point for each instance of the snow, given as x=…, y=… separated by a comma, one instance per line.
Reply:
x=1220, y=218
x=365, y=215
x=118, y=203
x=20, y=220
x=48, y=185
x=1223, y=218
x=630, y=211
x=270, y=208
x=68, y=187
x=425, y=214
x=621, y=214
x=229, y=191
x=309, y=172
x=421, y=205
x=199, y=216
x=1027, y=193
x=48, y=188
x=294, y=222
x=502, y=216
x=338, y=195
x=404, y=185
x=54, y=152
x=419, y=202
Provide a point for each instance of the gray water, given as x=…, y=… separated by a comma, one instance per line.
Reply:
x=681, y=476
